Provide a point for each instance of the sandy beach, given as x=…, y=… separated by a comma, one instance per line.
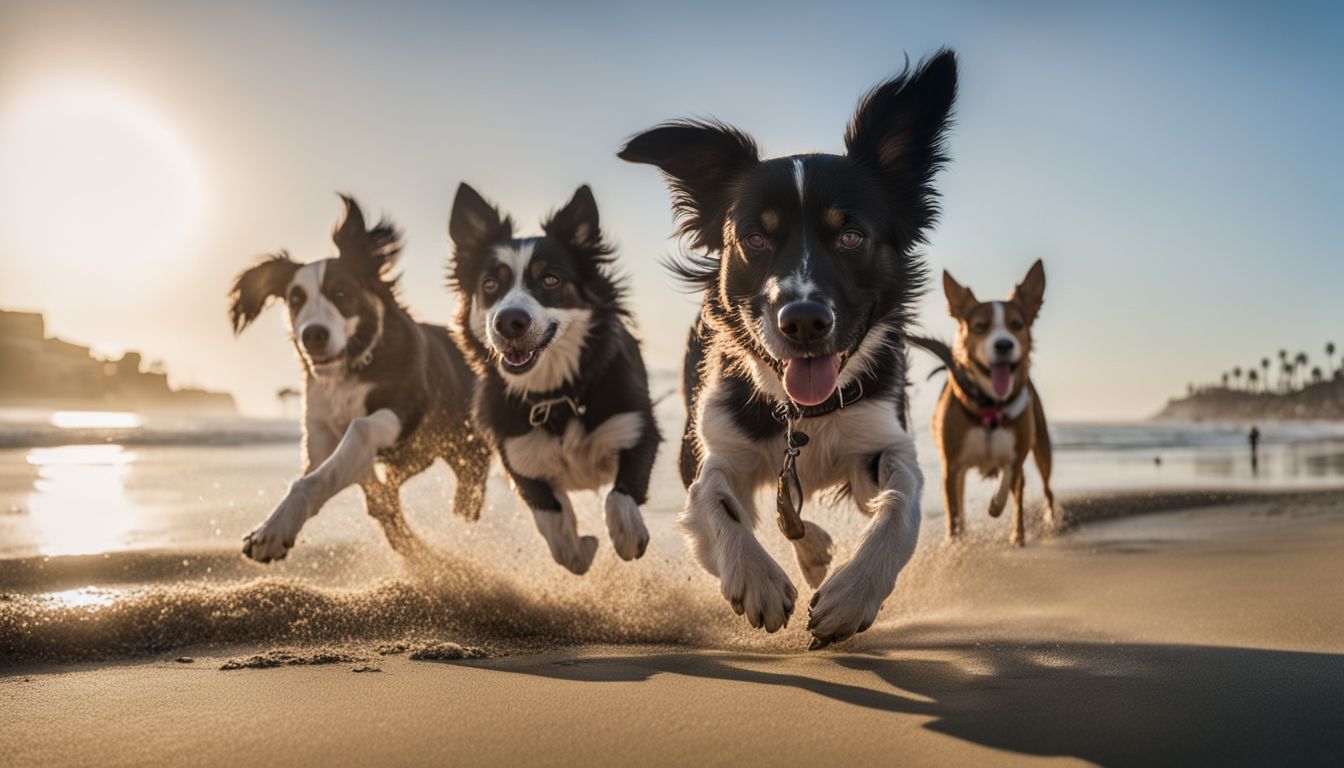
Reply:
x=1196, y=634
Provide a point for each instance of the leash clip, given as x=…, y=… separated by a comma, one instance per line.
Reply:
x=541, y=412
x=789, y=489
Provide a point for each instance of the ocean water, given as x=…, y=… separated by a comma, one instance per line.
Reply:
x=125, y=539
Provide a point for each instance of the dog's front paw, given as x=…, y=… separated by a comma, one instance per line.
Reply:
x=758, y=588
x=273, y=539
x=626, y=525
x=569, y=549
x=843, y=607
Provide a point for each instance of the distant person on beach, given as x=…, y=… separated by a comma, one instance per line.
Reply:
x=1254, y=438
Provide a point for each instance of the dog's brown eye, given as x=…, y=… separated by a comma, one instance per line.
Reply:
x=980, y=327
x=756, y=240
x=851, y=238
x=296, y=297
x=550, y=281
x=1015, y=326
x=489, y=285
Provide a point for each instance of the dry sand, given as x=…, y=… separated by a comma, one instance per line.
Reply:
x=1212, y=635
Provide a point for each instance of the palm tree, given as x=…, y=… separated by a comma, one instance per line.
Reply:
x=1224, y=380
x=1252, y=376
x=1316, y=375
x=1264, y=363
x=1283, y=369
x=1330, y=357
x=1236, y=374
x=1301, y=360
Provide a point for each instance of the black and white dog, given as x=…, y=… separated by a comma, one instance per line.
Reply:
x=384, y=396
x=796, y=367
x=563, y=394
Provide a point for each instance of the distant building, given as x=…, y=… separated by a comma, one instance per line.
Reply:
x=41, y=372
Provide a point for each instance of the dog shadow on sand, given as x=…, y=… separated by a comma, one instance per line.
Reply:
x=1105, y=703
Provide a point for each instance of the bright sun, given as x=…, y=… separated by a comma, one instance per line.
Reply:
x=91, y=181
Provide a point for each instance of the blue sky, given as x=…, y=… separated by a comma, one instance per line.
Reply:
x=1178, y=168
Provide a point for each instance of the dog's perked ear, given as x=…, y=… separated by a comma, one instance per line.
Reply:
x=475, y=223
x=899, y=131
x=699, y=159
x=254, y=288
x=960, y=300
x=371, y=251
x=576, y=224
x=1030, y=293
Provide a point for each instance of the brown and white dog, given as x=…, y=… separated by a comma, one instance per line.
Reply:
x=989, y=416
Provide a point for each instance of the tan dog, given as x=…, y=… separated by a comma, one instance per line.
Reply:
x=989, y=416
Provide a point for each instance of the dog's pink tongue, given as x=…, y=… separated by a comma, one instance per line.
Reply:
x=810, y=380
x=1001, y=376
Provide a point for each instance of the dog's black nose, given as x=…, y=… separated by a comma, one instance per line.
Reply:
x=512, y=322
x=806, y=321
x=315, y=338
x=1003, y=346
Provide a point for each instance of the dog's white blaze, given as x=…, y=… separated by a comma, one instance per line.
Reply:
x=318, y=310
x=798, y=180
x=999, y=330
x=577, y=459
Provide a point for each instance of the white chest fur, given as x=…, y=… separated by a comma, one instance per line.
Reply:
x=576, y=459
x=989, y=449
x=834, y=442
x=334, y=402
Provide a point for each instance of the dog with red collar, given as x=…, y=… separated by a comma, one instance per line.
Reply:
x=989, y=416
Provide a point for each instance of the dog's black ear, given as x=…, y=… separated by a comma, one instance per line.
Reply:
x=899, y=131
x=1030, y=293
x=961, y=300
x=576, y=224
x=700, y=160
x=372, y=251
x=254, y=288
x=475, y=223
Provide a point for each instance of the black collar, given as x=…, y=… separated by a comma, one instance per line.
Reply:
x=841, y=398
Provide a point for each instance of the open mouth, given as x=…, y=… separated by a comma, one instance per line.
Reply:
x=810, y=381
x=320, y=361
x=1000, y=377
x=517, y=360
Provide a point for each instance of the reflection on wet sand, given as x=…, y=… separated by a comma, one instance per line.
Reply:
x=78, y=504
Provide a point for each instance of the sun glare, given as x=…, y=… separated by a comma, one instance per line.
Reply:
x=96, y=420
x=90, y=180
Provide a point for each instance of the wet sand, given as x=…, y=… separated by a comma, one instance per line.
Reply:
x=1207, y=635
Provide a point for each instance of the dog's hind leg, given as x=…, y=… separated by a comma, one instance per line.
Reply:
x=1042, y=451
x=954, y=483
x=814, y=551
x=849, y=600
x=382, y=500
x=1000, y=499
x=350, y=462
x=1018, y=537
x=470, y=462
x=718, y=519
